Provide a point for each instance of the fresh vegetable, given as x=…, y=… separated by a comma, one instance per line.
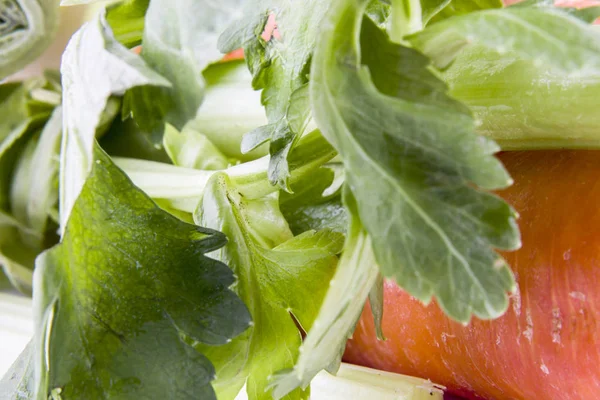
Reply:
x=547, y=345
x=172, y=305
x=193, y=237
x=27, y=27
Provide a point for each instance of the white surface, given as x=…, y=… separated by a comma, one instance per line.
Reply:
x=16, y=327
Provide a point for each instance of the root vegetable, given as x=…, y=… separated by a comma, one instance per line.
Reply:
x=547, y=345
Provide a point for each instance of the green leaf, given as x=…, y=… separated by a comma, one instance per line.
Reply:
x=279, y=276
x=44, y=93
x=418, y=172
x=179, y=42
x=191, y=149
x=126, y=290
x=27, y=28
x=126, y=19
x=13, y=100
x=430, y=8
x=34, y=191
x=13, y=127
x=545, y=36
x=438, y=10
x=402, y=72
x=125, y=138
x=280, y=67
x=19, y=244
x=17, y=258
x=376, y=303
x=379, y=12
x=308, y=208
x=354, y=277
x=94, y=67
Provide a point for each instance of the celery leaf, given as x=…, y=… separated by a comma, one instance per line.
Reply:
x=417, y=170
x=127, y=290
x=281, y=278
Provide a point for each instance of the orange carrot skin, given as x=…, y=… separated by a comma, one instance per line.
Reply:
x=547, y=345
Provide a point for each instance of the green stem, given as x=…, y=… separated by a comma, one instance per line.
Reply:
x=406, y=18
x=523, y=107
x=183, y=187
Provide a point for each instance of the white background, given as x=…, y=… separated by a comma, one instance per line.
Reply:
x=16, y=327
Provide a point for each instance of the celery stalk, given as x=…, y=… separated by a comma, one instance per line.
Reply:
x=353, y=382
x=523, y=106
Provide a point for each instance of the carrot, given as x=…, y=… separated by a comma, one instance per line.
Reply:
x=547, y=346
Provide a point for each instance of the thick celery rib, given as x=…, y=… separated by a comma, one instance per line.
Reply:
x=524, y=107
x=353, y=382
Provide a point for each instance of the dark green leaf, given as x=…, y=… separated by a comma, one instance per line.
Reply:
x=402, y=72
x=307, y=208
x=125, y=291
x=127, y=139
